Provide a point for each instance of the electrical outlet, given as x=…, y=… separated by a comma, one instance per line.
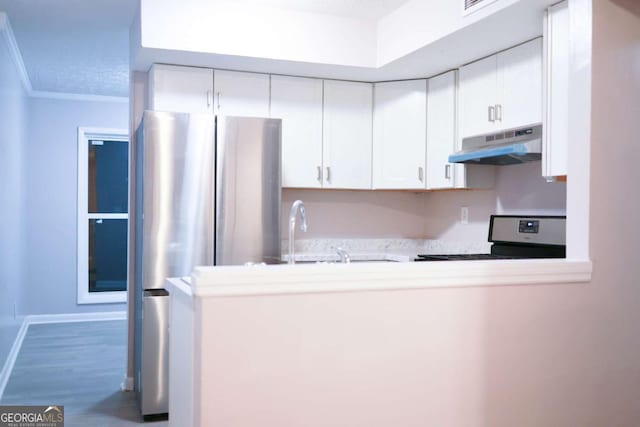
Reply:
x=464, y=215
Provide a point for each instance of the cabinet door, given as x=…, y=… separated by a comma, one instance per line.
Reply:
x=520, y=85
x=347, y=132
x=556, y=89
x=298, y=102
x=477, y=97
x=180, y=89
x=241, y=94
x=441, y=130
x=399, y=136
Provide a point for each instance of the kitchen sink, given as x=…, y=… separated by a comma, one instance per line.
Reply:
x=353, y=261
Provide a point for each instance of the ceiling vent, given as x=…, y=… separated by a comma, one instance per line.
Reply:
x=469, y=6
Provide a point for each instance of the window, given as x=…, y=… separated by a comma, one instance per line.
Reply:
x=103, y=198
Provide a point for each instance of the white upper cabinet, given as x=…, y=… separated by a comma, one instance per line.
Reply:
x=347, y=134
x=520, y=86
x=478, y=82
x=241, y=94
x=298, y=102
x=555, y=139
x=441, y=130
x=180, y=89
x=502, y=91
x=399, y=137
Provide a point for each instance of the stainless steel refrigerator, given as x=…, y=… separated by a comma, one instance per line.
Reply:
x=207, y=192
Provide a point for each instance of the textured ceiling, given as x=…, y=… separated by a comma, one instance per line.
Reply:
x=82, y=46
x=74, y=46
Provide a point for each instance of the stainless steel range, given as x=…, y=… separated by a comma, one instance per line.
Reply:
x=518, y=237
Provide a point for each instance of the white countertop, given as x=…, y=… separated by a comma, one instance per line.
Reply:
x=388, y=246
x=225, y=281
x=319, y=272
x=398, y=250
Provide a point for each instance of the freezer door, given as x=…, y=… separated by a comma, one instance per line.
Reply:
x=248, y=190
x=154, y=375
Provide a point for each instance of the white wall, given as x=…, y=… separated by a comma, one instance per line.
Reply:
x=51, y=200
x=519, y=189
x=12, y=222
x=517, y=196
x=357, y=214
x=419, y=23
x=422, y=38
x=225, y=27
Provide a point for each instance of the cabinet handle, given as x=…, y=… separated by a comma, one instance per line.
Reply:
x=209, y=98
x=420, y=174
x=218, y=95
x=492, y=113
x=499, y=112
x=319, y=178
x=447, y=171
x=328, y=174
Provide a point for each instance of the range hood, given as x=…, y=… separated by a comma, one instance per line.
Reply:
x=507, y=147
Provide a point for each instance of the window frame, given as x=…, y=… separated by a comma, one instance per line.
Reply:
x=86, y=134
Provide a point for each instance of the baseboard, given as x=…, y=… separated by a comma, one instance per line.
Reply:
x=52, y=318
x=127, y=384
x=76, y=317
x=13, y=355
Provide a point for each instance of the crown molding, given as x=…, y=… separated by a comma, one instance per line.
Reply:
x=6, y=33
x=77, y=96
x=16, y=56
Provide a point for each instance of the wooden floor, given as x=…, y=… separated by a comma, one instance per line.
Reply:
x=79, y=365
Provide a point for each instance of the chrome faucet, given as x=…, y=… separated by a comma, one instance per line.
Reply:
x=297, y=206
x=344, y=255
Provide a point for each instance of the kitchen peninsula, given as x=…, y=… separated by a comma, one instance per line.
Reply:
x=275, y=338
x=325, y=315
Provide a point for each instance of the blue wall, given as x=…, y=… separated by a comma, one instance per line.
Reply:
x=51, y=200
x=12, y=223
x=38, y=197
